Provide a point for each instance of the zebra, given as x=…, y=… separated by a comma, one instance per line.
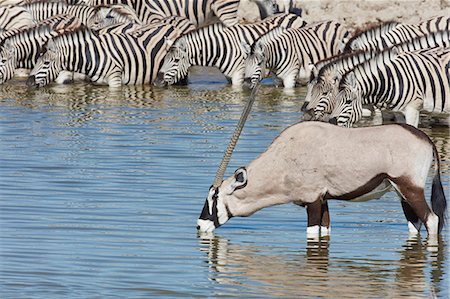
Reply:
x=322, y=89
x=290, y=53
x=408, y=82
x=218, y=46
x=92, y=16
x=199, y=12
x=106, y=58
x=21, y=50
x=15, y=17
x=393, y=33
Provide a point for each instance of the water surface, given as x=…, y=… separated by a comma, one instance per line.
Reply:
x=100, y=191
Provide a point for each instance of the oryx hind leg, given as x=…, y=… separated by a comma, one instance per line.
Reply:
x=414, y=222
x=416, y=208
x=318, y=218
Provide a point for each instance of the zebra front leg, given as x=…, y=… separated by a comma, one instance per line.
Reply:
x=412, y=115
x=318, y=218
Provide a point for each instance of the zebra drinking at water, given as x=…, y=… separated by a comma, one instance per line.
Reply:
x=408, y=82
x=21, y=50
x=290, y=53
x=107, y=58
x=218, y=46
x=323, y=88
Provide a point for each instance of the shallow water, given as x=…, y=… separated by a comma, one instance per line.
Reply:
x=100, y=191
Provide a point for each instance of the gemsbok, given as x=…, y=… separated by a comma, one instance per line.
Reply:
x=312, y=162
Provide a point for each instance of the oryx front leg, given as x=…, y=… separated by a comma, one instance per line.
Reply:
x=318, y=219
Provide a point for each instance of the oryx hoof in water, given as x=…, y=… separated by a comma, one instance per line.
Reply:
x=312, y=162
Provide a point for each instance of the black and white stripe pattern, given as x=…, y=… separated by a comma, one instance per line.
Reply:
x=290, y=53
x=199, y=12
x=393, y=33
x=92, y=16
x=21, y=49
x=218, y=46
x=323, y=88
x=107, y=58
x=408, y=82
x=15, y=17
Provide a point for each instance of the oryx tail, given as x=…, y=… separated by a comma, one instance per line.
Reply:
x=438, y=201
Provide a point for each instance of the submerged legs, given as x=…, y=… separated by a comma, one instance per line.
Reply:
x=415, y=206
x=318, y=218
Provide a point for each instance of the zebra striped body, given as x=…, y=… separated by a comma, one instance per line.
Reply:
x=21, y=50
x=14, y=17
x=199, y=12
x=394, y=33
x=92, y=16
x=108, y=58
x=408, y=82
x=322, y=90
x=218, y=46
x=289, y=53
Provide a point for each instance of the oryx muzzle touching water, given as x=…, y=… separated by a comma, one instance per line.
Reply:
x=312, y=162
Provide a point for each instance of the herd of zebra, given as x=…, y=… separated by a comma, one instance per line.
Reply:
x=396, y=66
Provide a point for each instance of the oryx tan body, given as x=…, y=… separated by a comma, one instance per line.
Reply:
x=311, y=162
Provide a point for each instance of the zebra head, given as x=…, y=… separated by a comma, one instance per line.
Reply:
x=109, y=15
x=175, y=65
x=47, y=67
x=348, y=109
x=7, y=62
x=324, y=94
x=255, y=64
x=216, y=210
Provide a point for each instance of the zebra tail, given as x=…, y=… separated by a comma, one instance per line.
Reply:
x=438, y=201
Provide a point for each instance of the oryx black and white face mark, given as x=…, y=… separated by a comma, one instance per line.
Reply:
x=215, y=210
x=208, y=220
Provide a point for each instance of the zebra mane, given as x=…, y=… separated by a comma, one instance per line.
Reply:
x=40, y=2
x=370, y=32
x=272, y=34
x=327, y=63
x=39, y=29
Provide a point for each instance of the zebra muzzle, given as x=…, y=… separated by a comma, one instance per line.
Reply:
x=31, y=81
x=333, y=120
x=248, y=83
x=159, y=81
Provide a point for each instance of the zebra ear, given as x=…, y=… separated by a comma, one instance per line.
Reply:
x=337, y=77
x=314, y=70
x=168, y=41
x=246, y=48
x=395, y=51
x=181, y=44
x=351, y=80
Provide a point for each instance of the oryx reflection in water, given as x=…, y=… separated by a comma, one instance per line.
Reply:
x=321, y=271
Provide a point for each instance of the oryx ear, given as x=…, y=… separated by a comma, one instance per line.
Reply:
x=240, y=180
x=246, y=48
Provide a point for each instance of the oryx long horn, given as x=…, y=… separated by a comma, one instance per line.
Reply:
x=234, y=139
